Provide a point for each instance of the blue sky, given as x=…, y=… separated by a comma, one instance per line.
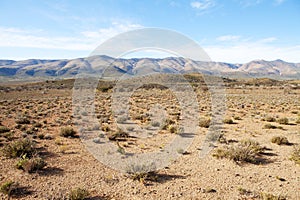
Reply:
x=235, y=31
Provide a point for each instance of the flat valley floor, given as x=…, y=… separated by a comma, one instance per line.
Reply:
x=258, y=112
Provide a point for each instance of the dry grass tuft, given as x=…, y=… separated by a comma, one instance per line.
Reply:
x=244, y=151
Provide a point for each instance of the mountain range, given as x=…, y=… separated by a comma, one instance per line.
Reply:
x=58, y=69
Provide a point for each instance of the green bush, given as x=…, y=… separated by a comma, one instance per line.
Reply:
x=67, y=132
x=7, y=188
x=78, y=194
x=19, y=148
x=31, y=165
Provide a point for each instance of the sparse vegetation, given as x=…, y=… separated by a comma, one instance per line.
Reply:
x=228, y=121
x=7, y=188
x=155, y=124
x=268, y=196
x=47, y=114
x=79, y=194
x=31, y=165
x=205, y=122
x=280, y=140
x=118, y=135
x=67, y=132
x=244, y=151
x=23, y=120
x=271, y=126
x=4, y=129
x=296, y=154
x=284, y=121
x=141, y=173
x=19, y=148
x=269, y=119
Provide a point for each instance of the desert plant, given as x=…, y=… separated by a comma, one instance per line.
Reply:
x=269, y=119
x=78, y=194
x=298, y=120
x=173, y=129
x=117, y=135
x=166, y=123
x=141, y=172
x=7, y=188
x=271, y=126
x=244, y=151
x=280, y=140
x=228, y=121
x=237, y=118
x=155, y=124
x=122, y=119
x=284, y=121
x=4, y=129
x=67, y=132
x=268, y=196
x=296, y=154
x=31, y=165
x=204, y=122
x=19, y=148
x=23, y=120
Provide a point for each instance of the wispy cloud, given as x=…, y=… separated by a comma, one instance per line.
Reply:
x=244, y=50
x=225, y=38
x=85, y=40
x=248, y=3
x=203, y=4
x=268, y=40
x=278, y=2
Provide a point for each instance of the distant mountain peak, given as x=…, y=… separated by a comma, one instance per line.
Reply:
x=37, y=68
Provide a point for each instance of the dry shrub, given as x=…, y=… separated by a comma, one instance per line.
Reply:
x=19, y=148
x=280, y=140
x=244, y=151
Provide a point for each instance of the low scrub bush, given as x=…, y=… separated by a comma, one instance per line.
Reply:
x=7, y=188
x=19, y=148
x=4, y=129
x=228, y=121
x=67, y=132
x=244, y=151
x=271, y=126
x=78, y=194
x=280, y=140
x=204, y=122
x=296, y=154
x=31, y=165
x=284, y=121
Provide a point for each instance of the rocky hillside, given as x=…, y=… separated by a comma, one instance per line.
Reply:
x=35, y=68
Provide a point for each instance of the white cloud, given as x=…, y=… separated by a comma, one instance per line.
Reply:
x=278, y=2
x=247, y=3
x=238, y=49
x=243, y=52
x=86, y=40
x=202, y=5
x=268, y=40
x=224, y=38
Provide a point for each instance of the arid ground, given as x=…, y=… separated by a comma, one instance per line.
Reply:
x=257, y=156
